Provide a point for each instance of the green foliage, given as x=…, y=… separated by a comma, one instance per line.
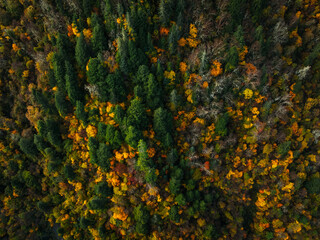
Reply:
x=313, y=185
x=284, y=148
x=133, y=136
x=96, y=72
x=80, y=113
x=221, y=126
x=98, y=203
x=69, y=172
x=99, y=41
x=82, y=52
x=28, y=147
x=232, y=59
x=136, y=114
x=102, y=189
x=61, y=103
x=162, y=124
x=174, y=214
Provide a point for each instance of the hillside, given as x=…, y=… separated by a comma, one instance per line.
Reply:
x=170, y=119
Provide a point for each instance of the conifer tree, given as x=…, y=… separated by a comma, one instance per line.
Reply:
x=99, y=41
x=82, y=52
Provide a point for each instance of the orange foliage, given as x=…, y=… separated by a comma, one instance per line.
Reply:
x=216, y=69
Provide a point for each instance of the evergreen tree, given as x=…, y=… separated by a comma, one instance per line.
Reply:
x=154, y=92
x=118, y=114
x=28, y=147
x=162, y=124
x=80, y=113
x=72, y=83
x=103, y=156
x=143, y=161
x=99, y=41
x=117, y=91
x=61, y=103
x=136, y=114
x=173, y=39
x=95, y=72
x=82, y=52
x=133, y=136
x=59, y=70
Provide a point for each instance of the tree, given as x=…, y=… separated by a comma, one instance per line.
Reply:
x=69, y=172
x=154, y=93
x=133, y=136
x=237, y=10
x=82, y=52
x=95, y=71
x=81, y=114
x=61, y=103
x=117, y=92
x=93, y=147
x=28, y=147
x=39, y=98
x=162, y=124
x=232, y=59
x=136, y=114
x=97, y=203
x=59, y=70
x=72, y=83
x=99, y=41
x=143, y=161
x=118, y=114
x=110, y=131
x=142, y=217
x=174, y=214
x=102, y=128
x=102, y=189
x=103, y=156
x=221, y=125
x=173, y=39
x=40, y=143
x=142, y=75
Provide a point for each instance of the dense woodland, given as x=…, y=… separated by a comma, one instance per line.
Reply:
x=170, y=119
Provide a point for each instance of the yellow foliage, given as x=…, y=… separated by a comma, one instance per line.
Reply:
x=201, y=222
x=25, y=73
x=248, y=93
x=261, y=202
x=289, y=187
x=294, y=227
x=87, y=33
x=91, y=131
x=119, y=213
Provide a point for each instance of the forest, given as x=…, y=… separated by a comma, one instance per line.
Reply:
x=167, y=119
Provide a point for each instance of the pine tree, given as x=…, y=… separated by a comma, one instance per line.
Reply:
x=80, y=113
x=162, y=124
x=133, y=136
x=82, y=52
x=173, y=39
x=154, y=92
x=28, y=147
x=136, y=114
x=99, y=41
x=95, y=72
x=72, y=83
x=61, y=103
x=143, y=161
x=117, y=91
